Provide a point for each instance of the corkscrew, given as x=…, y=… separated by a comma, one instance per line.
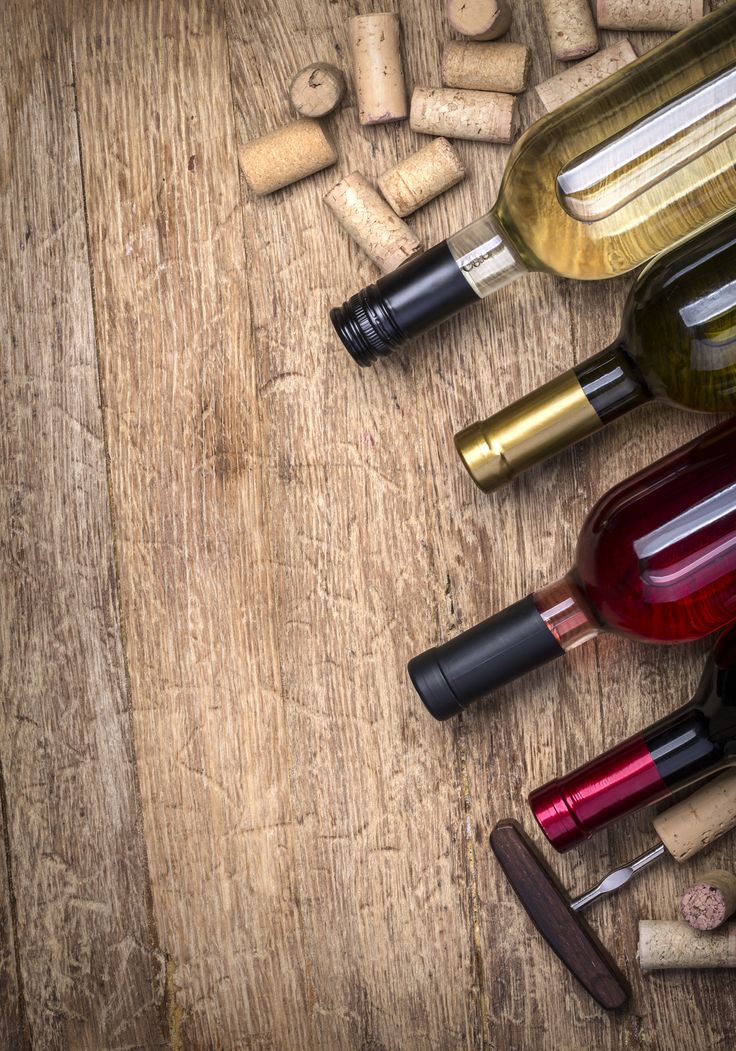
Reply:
x=683, y=831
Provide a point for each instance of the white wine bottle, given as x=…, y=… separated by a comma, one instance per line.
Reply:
x=622, y=172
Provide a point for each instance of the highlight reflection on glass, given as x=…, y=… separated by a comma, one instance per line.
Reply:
x=608, y=176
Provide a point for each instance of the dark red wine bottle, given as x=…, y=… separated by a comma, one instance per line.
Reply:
x=694, y=742
x=656, y=561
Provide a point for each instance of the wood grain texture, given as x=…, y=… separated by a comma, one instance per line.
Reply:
x=196, y=573
x=384, y=827
x=289, y=529
x=13, y=1024
x=91, y=975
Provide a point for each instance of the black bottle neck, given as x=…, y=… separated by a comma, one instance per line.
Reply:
x=403, y=304
x=683, y=749
x=700, y=736
x=612, y=383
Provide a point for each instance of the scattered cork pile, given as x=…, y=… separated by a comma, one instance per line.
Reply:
x=480, y=80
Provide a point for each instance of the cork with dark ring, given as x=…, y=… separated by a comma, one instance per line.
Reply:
x=570, y=28
x=317, y=89
x=708, y=903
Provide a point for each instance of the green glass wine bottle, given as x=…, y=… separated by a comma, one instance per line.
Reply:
x=677, y=344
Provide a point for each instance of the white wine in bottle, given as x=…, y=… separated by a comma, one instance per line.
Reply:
x=595, y=189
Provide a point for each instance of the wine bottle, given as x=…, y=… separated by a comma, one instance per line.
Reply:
x=677, y=343
x=694, y=742
x=656, y=561
x=592, y=190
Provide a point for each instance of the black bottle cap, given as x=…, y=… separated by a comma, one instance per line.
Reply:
x=366, y=327
x=450, y=677
x=420, y=294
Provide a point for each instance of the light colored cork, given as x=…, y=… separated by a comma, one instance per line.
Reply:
x=486, y=67
x=669, y=944
x=285, y=156
x=709, y=902
x=700, y=819
x=479, y=19
x=317, y=89
x=576, y=79
x=421, y=177
x=368, y=219
x=377, y=71
x=486, y=116
x=648, y=14
x=570, y=28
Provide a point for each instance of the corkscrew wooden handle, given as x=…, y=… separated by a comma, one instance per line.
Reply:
x=548, y=906
x=700, y=819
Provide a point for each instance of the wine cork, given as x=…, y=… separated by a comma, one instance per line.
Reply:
x=576, y=79
x=285, y=156
x=709, y=902
x=691, y=825
x=317, y=89
x=486, y=116
x=486, y=67
x=648, y=14
x=379, y=77
x=368, y=219
x=421, y=177
x=570, y=28
x=479, y=19
x=668, y=944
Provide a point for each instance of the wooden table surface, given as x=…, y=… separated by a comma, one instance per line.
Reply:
x=227, y=821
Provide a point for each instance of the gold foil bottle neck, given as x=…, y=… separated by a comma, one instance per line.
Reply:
x=531, y=430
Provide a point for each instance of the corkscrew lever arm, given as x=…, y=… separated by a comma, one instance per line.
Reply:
x=618, y=878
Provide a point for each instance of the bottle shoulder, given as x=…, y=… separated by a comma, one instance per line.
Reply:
x=680, y=322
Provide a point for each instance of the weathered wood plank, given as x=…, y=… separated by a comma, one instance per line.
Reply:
x=487, y=552
x=384, y=866
x=289, y=530
x=90, y=972
x=496, y=549
x=483, y=553
x=178, y=375
x=13, y=1023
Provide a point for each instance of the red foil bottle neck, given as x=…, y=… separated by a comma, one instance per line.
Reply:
x=572, y=808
